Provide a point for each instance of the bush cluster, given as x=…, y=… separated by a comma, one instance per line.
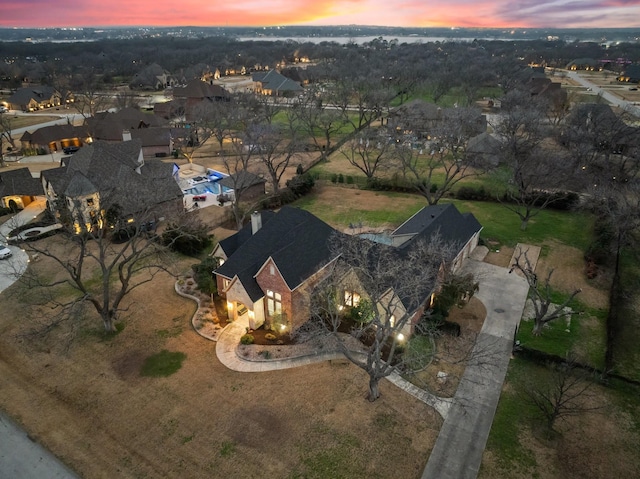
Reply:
x=297, y=187
x=204, y=277
x=247, y=339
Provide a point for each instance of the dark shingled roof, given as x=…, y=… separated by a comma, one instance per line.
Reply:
x=232, y=243
x=20, y=183
x=47, y=134
x=275, y=81
x=110, y=168
x=445, y=220
x=23, y=96
x=200, y=89
x=109, y=126
x=295, y=239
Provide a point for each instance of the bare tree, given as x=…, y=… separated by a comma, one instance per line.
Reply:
x=238, y=166
x=89, y=99
x=381, y=289
x=443, y=156
x=100, y=263
x=319, y=121
x=368, y=151
x=540, y=295
x=5, y=135
x=536, y=173
x=275, y=147
x=126, y=99
x=566, y=391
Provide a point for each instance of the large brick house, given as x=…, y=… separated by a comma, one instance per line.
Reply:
x=269, y=267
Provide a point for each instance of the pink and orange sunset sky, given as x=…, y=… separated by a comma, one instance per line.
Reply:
x=404, y=13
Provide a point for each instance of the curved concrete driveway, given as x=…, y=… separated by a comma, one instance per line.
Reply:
x=458, y=451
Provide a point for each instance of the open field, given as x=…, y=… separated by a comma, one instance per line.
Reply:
x=91, y=407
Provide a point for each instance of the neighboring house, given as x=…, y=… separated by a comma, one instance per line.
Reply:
x=274, y=84
x=104, y=174
x=48, y=139
x=18, y=188
x=631, y=74
x=269, y=268
x=152, y=77
x=153, y=131
x=250, y=185
x=189, y=98
x=608, y=131
x=418, y=118
x=484, y=149
x=109, y=126
x=35, y=98
x=589, y=64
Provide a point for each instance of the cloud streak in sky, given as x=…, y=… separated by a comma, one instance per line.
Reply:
x=426, y=13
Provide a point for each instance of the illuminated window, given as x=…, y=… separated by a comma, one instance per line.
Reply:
x=225, y=283
x=274, y=302
x=351, y=298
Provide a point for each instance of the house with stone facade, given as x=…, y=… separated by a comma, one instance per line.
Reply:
x=111, y=176
x=269, y=268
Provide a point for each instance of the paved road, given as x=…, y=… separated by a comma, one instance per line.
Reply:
x=458, y=451
x=606, y=94
x=22, y=458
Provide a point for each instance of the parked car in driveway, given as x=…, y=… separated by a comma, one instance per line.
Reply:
x=70, y=150
x=5, y=252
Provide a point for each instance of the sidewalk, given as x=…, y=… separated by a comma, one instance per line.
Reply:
x=458, y=451
x=226, y=350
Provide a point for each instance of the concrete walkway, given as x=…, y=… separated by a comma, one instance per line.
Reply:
x=458, y=451
x=227, y=346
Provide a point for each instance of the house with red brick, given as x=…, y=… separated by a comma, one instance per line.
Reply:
x=269, y=268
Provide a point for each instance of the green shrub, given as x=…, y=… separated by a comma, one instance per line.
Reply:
x=203, y=275
x=349, y=180
x=187, y=239
x=247, y=339
x=334, y=178
x=340, y=178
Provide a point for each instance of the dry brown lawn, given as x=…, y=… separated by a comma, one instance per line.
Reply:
x=91, y=407
x=452, y=352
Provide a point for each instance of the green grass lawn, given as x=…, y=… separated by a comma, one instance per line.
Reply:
x=512, y=412
x=501, y=225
